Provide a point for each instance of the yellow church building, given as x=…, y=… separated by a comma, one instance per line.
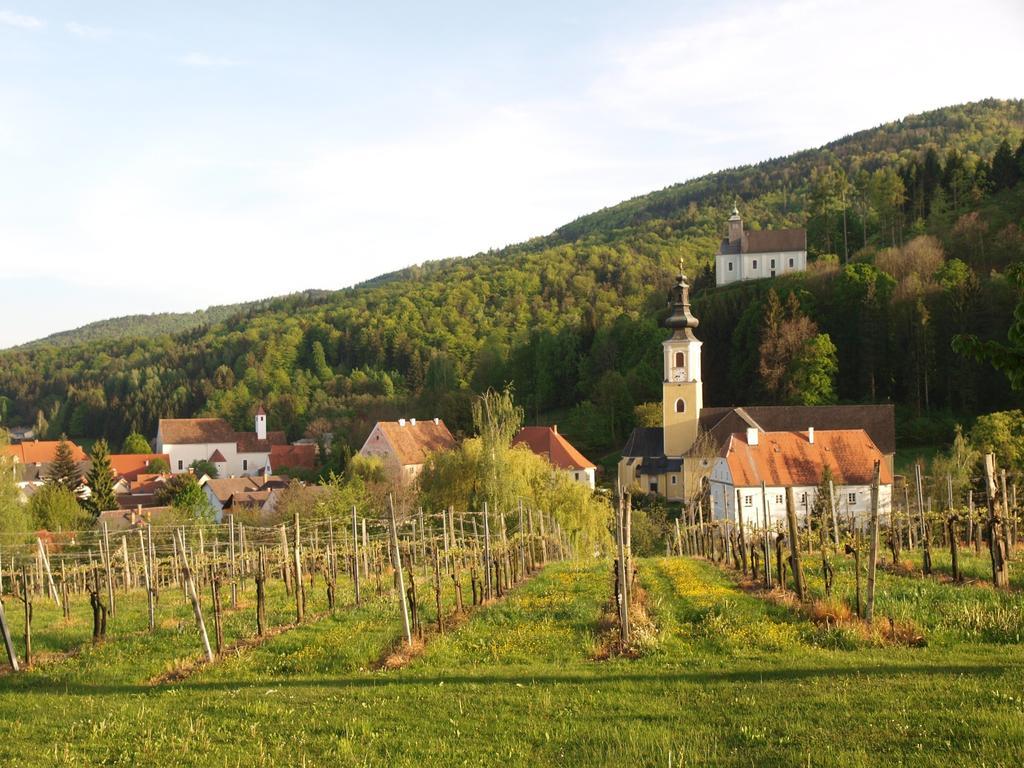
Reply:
x=665, y=460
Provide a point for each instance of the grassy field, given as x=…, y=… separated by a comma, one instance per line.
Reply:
x=729, y=679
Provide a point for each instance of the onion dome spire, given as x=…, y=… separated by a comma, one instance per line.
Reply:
x=680, y=321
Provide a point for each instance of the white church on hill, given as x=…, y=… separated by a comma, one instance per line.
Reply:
x=759, y=253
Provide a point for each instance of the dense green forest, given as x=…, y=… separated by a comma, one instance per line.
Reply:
x=911, y=228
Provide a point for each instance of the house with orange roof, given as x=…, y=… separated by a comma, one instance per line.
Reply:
x=756, y=469
x=32, y=459
x=560, y=453
x=130, y=465
x=404, y=445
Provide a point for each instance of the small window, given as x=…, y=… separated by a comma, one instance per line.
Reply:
x=790, y=262
x=181, y=465
x=773, y=263
x=637, y=473
x=576, y=475
x=245, y=464
x=673, y=479
x=730, y=266
x=852, y=497
x=778, y=498
x=748, y=501
x=803, y=497
x=680, y=359
x=654, y=486
x=680, y=405
x=755, y=263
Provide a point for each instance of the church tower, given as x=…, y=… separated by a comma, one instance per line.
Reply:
x=682, y=391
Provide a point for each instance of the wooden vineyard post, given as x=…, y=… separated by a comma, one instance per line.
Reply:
x=127, y=564
x=396, y=560
x=218, y=628
x=355, y=556
x=286, y=568
x=926, y=537
x=437, y=590
x=5, y=631
x=300, y=590
x=105, y=552
x=954, y=553
x=261, y=592
x=996, y=543
x=835, y=515
x=621, y=594
x=794, y=545
x=26, y=598
x=153, y=565
x=148, y=582
x=193, y=596
x=742, y=537
x=679, y=539
x=1008, y=547
x=44, y=558
x=488, y=585
x=869, y=608
x=767, y=544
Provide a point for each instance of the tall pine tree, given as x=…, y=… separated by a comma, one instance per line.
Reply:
x=64, y=469
x=100, y=481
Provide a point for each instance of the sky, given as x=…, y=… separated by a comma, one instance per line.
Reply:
x=167, y=156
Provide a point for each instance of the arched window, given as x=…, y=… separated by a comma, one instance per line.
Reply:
x=680, y=405
x=680, y=359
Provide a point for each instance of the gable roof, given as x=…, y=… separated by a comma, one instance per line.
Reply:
x=247, y=442
x=645, y=442
x=293, y=456
x=549, y=443
x=412, y=443
x=191, y=431
x=40, y=451
x=224, y=488
x=782, y=459
x=131, y=465
x=766, y=241
x=879, y=421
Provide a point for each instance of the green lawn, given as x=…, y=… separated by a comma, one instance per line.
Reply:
x=731, y=679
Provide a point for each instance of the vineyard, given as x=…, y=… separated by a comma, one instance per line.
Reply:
x=495, y=640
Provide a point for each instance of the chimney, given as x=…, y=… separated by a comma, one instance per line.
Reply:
x=810, y=435
x=554, y=428
x=401, y=422
x=436, y=421
x=752, y=436
x=412, y=422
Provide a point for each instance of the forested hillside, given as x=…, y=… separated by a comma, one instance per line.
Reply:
x=912, y=224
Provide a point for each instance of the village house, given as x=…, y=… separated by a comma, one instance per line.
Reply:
x=227, y=492
x=232, y=453
x=32, y=459
x=797, y=460
x=560, y=453
x=671, y=459
x=404, y=445
x=750, y=255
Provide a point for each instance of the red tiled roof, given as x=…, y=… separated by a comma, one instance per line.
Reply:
x=547, y=442
x=782, y=459
x=412, y=443
x=191, y=431
x=217, y=456
x=293, y=456
x=131, y=465
x=40, y=451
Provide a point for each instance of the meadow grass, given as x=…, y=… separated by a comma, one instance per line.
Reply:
x=732, y=680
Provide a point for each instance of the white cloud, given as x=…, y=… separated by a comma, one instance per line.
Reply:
x=11, y=19
x=205, y=61
x=86, y=31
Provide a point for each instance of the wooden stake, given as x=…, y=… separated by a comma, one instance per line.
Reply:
x=355, y=556
x=794, y=545
x=396, y=561
x=869, y=609
x=193, y=597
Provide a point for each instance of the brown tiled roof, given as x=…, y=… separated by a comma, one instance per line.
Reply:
x=224, y=488
x=547, y=442
x=217, y=457
x=293, y=456
x=774, y=240
x=249, y=497
x=131, y=465
x=248, y=442
x=782, y=459
x=190, y=431
x=412, y=443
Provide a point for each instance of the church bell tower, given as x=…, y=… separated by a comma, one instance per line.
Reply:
x=682, y=391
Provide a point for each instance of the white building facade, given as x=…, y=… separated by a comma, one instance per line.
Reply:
x=760, y=253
